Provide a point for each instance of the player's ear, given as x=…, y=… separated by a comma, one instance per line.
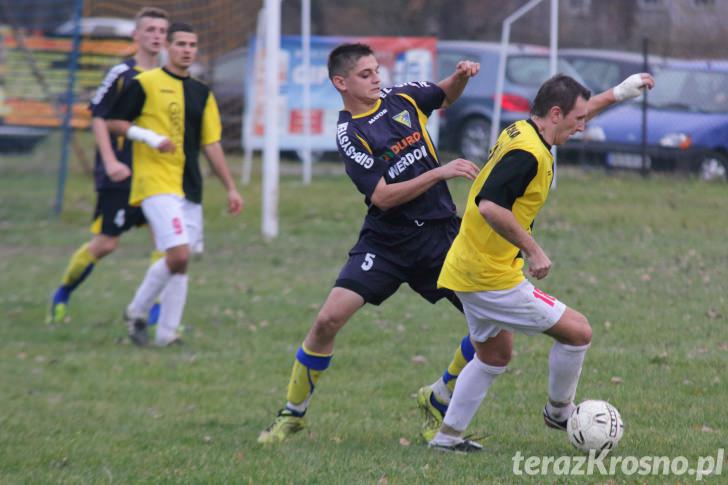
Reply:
x=339, y=83
x=556, y=114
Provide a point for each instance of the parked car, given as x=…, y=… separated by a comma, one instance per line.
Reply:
x=99, y=27
x=687, y=125
x=601, y=69
x=465, y=126
x=20, y=139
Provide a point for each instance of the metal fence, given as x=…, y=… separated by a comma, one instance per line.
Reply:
x=51, y=65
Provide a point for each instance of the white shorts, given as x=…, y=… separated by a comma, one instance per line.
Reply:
x=524, y=309
x=195, y=227
x=174, y=221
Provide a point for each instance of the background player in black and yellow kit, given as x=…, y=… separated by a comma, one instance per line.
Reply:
x=113, y=214
x=410, y=221
x=485, y=263
x=174, y=118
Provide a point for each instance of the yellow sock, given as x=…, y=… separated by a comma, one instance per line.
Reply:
x=79, y=266
x=307, y=368
x=155, y=256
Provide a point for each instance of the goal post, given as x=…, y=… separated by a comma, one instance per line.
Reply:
x=271, y=155
x=500, y=80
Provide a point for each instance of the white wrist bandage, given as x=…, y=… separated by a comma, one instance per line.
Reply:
x=146, y=136
x=630, y=88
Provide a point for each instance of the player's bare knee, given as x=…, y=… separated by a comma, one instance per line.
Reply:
x=105, y=249
x=572, y=329
x=585, y=334
x=496, y=351
x=496, y=357
x=582, y=333
x=103, y=246
x=177, y=259
x=177, y=265
x=327, y=324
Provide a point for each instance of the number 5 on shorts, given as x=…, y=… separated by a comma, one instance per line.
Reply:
x=368, y=261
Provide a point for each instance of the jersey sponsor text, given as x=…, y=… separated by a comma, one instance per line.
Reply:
x=349, y=150
x=377, y=116
x=406, y=142
x=406, y=160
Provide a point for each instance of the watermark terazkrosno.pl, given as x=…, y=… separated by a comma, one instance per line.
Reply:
x=608, y=465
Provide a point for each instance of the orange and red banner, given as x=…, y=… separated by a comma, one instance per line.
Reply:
x=34, y=73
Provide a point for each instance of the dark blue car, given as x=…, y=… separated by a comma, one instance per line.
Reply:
x=687, y=125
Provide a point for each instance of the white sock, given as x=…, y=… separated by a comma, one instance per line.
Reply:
x=441, y=391
x=300, y=407
x=470, y=390
x=172, y=306
x=565, y=363
x=154, y=281
x=163, y=297
x=445, y=439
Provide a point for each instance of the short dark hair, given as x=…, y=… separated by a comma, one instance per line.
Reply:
x=152, y=13
x=560, y=90
x=344, y=57
x=178, y=27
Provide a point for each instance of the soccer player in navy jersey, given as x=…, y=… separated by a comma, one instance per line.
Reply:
x=485, y=265
x=409, y=226
x=113, y=214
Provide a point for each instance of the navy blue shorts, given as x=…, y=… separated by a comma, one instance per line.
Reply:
x=113, y=214
x=376, y=272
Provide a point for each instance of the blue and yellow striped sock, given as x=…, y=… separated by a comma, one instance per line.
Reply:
x=463, y=355
x=307, y=368
x=79, y=267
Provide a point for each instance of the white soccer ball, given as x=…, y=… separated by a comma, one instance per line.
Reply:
x=595, y=425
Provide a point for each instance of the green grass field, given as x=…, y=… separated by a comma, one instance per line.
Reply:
x=645, y=260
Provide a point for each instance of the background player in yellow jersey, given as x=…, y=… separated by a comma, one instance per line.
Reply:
x=174, y=117
x=113, y=214
x=484, y=266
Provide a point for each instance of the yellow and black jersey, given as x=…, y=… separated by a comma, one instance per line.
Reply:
x=517, y=176
x=180, y=108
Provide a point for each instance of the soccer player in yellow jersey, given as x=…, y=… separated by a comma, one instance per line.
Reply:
x=113, y=215
x=484, y=266
x=173, y=116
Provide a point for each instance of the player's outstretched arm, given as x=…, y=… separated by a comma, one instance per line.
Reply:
x=115, y=170
x=630, y=88
x=454, y=85
x=386, y=196
x=216, y=157
x=505, y=224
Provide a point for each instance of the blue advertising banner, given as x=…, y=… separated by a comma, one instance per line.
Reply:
x=401, y=59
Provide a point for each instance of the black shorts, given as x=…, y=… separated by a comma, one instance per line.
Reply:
x=113, y=214
x=377, y=273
